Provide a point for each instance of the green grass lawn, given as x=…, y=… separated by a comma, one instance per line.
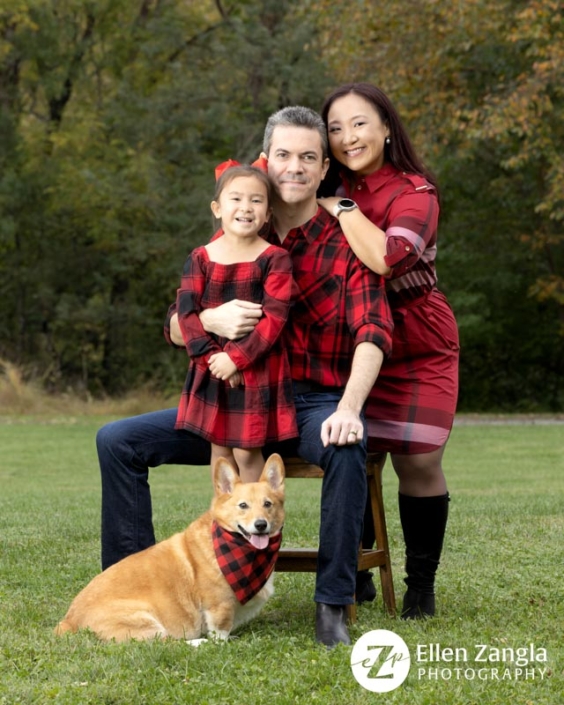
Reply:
x=500, y=582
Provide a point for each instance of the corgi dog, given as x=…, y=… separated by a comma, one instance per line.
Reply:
x=208, y=579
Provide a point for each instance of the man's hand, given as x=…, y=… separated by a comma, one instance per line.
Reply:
x=342, y=428
x=231, y=320
x=222, y=366
x=175, y=334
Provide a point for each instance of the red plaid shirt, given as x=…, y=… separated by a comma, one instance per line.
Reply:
x=338, y=303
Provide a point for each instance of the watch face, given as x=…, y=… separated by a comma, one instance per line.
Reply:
x=344, y=204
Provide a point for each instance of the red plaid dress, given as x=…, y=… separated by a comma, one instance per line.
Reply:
x=412, y=406
x=261, y=410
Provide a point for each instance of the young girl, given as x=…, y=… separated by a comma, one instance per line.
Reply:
x=238, y=394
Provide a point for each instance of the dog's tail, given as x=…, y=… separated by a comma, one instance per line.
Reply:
x=65, y=626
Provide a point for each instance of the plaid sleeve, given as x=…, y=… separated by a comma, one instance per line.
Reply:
x=188, y=303
x=368, y=313
x=275, y=308
x=412, y=227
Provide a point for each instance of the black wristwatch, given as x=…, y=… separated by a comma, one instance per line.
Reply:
x=345, y=204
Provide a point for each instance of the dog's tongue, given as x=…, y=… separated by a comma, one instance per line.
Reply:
x=259, y=541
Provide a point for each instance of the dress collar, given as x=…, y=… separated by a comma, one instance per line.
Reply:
x=377, y=179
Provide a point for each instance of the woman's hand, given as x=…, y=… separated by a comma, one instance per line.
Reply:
x=366, y=240
x=329, y=203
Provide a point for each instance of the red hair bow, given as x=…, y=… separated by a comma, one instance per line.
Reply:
x=260, y=163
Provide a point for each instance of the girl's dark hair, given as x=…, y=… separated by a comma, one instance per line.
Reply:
x=400, y=152
x=242, y=170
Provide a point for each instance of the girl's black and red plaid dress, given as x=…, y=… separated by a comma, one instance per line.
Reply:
x=261, y=410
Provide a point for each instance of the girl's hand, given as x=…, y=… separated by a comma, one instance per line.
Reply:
x=236, y=380
x=222, y=366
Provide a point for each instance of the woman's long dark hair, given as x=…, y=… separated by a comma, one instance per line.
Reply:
x=400, y=152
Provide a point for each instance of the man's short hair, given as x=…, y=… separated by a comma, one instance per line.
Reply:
x=296, y=116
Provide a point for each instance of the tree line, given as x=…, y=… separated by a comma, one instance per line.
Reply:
x=114, y=113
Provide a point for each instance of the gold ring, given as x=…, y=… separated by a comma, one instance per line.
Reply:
x=354, y=433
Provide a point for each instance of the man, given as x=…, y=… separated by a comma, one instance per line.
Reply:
x=339, y=330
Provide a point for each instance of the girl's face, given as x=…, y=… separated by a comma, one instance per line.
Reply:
x=242, y=206
x=356, y=134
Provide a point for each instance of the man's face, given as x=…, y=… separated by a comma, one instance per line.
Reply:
x=295, y=163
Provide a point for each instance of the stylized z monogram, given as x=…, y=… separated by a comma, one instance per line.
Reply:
x=386, y=667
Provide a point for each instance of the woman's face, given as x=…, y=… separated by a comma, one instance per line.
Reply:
x=356, y=134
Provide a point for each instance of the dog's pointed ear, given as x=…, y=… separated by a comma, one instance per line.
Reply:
x=273, y=472
x=225, y=477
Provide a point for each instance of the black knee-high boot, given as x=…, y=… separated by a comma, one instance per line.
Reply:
x=423, y=520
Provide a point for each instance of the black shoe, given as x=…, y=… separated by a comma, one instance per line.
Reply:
x=365, y=588
x=331, y=625
x=418, y=605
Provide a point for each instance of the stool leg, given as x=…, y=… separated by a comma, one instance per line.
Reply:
x=381, y=533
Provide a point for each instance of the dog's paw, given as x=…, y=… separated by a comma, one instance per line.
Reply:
x=196, y=642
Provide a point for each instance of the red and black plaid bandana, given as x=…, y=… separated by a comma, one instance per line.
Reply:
x=245, y=567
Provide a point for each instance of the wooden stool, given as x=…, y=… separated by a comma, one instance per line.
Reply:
x=305, y=559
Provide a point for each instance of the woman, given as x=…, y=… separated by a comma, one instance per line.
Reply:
x=387, y=204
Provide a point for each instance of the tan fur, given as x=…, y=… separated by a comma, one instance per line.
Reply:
x=175, y=588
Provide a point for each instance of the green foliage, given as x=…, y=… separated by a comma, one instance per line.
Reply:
x=121, y=114
x=480, y=88
x=113, y=115
x=512, y=356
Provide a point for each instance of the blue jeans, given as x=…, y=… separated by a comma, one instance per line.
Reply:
x=129, y=447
